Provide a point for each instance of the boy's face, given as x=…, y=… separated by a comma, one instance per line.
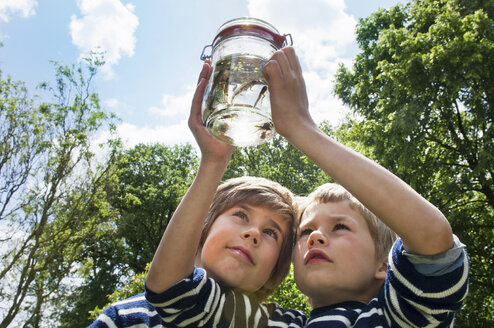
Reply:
x=242, y=246
x=334, y=257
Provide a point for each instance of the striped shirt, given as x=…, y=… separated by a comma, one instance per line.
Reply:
x=409, y=298
x=200, y=301
x=135, y=312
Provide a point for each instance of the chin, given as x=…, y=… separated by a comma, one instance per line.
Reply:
x=312, y=282
x=232, y=281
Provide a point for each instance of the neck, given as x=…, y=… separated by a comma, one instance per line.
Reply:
x=322, y=300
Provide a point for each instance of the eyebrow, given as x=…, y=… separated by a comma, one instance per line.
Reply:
x=335, y=218
x=276, y=226
x=342, y=218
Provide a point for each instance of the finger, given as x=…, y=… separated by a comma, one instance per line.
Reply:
x=201, y=85
x=199, y=93
x=282, y=60
x=292, y=59
x=272, y=71
x=195, y=108
x=210, y=68
x=206, y=70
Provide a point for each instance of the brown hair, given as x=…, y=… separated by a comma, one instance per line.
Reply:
x=381, y=234
x=265, y=193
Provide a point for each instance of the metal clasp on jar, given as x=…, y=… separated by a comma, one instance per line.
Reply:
x=287, y=36
x=203, y=55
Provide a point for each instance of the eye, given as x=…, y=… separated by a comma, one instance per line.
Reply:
x=240, y=214
x=305, y=232
x=340, y=226
x=272, y=233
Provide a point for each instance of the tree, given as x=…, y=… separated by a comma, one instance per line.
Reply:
x=422, y=89
x=279, y=161
x=152, y=179
x=52, y=190
x=134, y=287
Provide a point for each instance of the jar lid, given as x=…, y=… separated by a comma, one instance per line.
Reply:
x=249, y=26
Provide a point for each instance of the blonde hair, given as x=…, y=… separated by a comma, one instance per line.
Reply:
x=265, y=193
x=381, y=234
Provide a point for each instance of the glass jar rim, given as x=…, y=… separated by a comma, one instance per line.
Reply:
x=249, y=26
x=247, y=20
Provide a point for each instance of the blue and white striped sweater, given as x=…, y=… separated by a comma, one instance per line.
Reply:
x=408, y=299
x=132, y=312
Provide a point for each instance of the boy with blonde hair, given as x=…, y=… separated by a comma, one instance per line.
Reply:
x=340, y=257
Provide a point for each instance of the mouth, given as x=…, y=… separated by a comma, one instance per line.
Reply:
x=316, y=256
x=242, y=253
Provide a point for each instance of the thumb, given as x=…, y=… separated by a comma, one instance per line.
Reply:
x=198, y=95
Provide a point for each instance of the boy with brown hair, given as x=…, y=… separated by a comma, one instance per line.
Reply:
x=245, y=248
x=225, y=249
x=341, y=257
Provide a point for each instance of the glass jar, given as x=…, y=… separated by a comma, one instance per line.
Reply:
x=236, y=107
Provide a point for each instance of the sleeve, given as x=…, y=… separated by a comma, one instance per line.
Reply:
x=199, y=301
x=130, y=312
x=436, y=265
x=106, y=319
x=416, y=298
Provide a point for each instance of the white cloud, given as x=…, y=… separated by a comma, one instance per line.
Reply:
x=174, y=105
x=112, y=103
x=117, y=106
x=105, y=25
x=173, y=108
x=322, y=33
x=24, y=8
x=169, y=135
x=323, y=105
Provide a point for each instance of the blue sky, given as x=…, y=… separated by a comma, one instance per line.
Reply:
x=153, y=48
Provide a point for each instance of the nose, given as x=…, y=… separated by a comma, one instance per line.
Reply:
x=316, y=238
x=252, y=235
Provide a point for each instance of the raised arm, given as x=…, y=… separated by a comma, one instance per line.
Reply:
x=422, y=227
x=175, y=255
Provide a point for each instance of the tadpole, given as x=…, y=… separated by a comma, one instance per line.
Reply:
x=261, y=94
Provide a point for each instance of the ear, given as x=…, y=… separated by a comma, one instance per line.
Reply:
x=382, y=269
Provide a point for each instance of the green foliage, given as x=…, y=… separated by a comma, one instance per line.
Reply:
x=53, y=192
x=101, y=270
x=279, y=161
x=134, y=287
x=152, y=179
x=423, y=87
x=288, y=296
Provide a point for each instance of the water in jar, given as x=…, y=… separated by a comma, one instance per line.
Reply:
x=236, y=108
